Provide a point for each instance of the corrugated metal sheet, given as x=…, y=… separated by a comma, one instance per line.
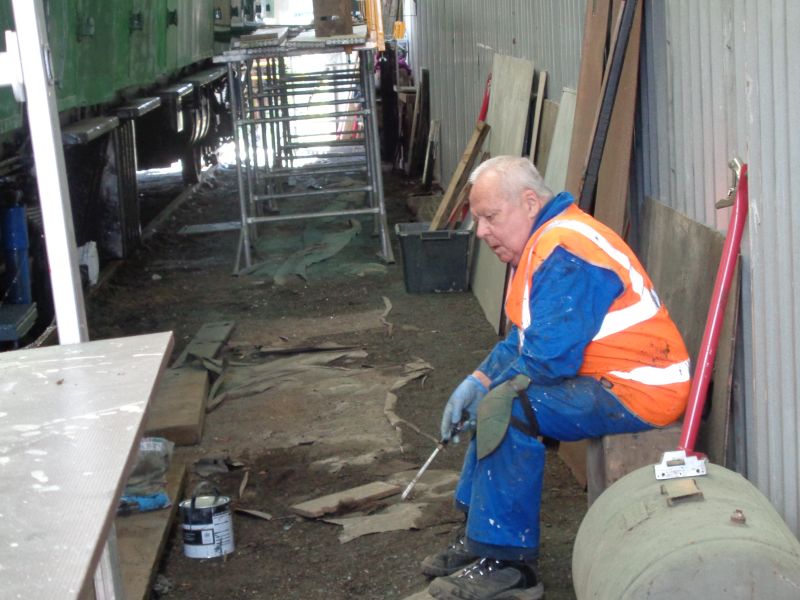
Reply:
x=456, y=40
x=718, y=77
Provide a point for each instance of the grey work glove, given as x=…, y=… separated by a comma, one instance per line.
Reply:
x=466, y=397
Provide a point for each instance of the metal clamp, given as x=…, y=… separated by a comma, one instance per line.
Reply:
x=734, y=165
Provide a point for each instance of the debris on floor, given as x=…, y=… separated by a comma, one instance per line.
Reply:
x=350, y=500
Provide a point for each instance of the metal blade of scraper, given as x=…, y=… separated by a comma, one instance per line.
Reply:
x=440, y=446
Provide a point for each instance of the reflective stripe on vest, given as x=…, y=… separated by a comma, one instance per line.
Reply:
x=617, y=320
x=677, y=373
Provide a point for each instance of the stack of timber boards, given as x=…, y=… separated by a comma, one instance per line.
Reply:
x=177, y=413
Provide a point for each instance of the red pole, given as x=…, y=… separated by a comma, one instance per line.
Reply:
x=716, y=312
x=485, y=103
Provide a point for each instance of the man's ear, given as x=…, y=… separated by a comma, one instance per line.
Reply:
x=532, y=203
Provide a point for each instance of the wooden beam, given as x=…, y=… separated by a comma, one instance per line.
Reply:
x=537, y=114
x=460, y=175
x=178, y=409
x=350, y=499
x=141, y=538
x=611, y=199
x=590, y=79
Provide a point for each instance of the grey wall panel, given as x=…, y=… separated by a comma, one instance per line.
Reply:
x=718, y=80
x=456, y=40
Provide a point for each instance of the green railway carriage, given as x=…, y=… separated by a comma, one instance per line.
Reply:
x=104, y=51
x=136, y=88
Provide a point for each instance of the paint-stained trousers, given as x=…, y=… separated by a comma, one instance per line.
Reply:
x=502, y=492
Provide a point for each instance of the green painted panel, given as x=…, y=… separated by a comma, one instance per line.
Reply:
x=171, y=16
x=123, y=33
x=144, y=43
x=95, y=50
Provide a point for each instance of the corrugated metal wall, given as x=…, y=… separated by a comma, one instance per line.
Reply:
x=457, y=39
x=720, y=79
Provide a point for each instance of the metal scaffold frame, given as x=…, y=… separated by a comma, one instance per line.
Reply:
x=282, y=131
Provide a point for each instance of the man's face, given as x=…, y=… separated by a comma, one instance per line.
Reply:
x=505, y=225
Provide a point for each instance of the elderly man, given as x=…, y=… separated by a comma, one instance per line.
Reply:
x=591, y=352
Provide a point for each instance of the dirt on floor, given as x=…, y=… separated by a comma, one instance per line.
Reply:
x=303, y=438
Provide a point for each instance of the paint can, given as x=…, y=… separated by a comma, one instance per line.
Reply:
x=207, y=526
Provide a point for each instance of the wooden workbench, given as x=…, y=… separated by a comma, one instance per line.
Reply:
x=70, y=417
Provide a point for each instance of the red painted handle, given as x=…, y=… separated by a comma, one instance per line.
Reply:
x=716, y=312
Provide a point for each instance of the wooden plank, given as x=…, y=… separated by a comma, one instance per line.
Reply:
x=574, y=456
x=548, y=128
x=207, y=342
x=178, y=410
x=419, y=125
x=590, y=79
x=537, y=115
x=350, y=499
x=430, y=153
x=460, y=175
x=623, y=29
x=611, y=199
x=556, y=172
x=613, y=456
x=141, y=539
x=509, y=101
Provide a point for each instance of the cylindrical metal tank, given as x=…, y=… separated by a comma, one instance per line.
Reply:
x=708, y=537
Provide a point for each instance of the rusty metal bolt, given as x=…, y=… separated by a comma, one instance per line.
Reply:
x=738, y=517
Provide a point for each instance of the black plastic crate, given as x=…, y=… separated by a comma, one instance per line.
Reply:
x=434, y=261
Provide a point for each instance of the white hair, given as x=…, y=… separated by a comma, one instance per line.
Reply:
x=516, y=175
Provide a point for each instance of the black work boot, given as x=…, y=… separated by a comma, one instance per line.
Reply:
x=489, y=579
x=451, y=560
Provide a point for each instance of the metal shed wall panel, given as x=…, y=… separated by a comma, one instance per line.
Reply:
x=456, y=40
x=719, y=80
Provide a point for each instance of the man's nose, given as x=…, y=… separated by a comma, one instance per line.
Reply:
x=480, y=230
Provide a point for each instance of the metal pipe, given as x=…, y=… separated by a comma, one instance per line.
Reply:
x=315, y=215
x=244, y=238
x=343, y=113
x=307, y=193
x=374, y=155
x=307, y=104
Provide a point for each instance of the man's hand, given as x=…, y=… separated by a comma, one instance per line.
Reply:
x=466, y=397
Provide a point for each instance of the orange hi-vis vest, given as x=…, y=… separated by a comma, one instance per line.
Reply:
x=638, y=350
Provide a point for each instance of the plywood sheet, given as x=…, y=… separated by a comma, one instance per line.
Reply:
x=556, y=172
x=141, y=538
x=509, y=101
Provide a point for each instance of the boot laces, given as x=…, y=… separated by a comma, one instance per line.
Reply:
x=482, y=568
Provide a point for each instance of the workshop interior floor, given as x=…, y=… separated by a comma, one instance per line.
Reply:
x=322, y=425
